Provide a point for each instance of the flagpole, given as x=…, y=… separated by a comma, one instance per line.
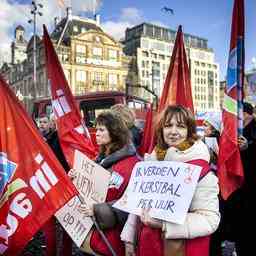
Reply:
x=240, y=67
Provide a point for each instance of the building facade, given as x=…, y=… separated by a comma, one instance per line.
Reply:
x=91, y=59
x=152, y=46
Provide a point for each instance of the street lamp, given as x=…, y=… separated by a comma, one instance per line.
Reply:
x=21, y=97
x=35, y=11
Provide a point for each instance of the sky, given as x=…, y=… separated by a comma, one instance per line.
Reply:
x=210, y=19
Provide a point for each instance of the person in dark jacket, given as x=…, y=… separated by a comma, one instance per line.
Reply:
x=241, y=204
x=47, y=127
x=118, y=155
x=50, y=134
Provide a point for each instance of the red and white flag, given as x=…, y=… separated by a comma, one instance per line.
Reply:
x=33, y=185
x=72, y=132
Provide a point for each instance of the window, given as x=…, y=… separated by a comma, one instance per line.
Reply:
x=144, y=53
x=112, y=79
x=153, y=55
x=97, y=52
x=161, y=57
x=112, y=54
x=80, y=76
x=80, y=48
x=98, y=76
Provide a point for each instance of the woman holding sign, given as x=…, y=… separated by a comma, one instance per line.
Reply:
x=177, y=141
x=118, y=155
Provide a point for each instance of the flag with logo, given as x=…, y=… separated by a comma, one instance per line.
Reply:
x=177, y=86
x=33, y=185
x=73, y=134
x=230, y=169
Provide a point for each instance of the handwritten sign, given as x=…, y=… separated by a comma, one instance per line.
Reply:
x=165, y=187
x=92, y=183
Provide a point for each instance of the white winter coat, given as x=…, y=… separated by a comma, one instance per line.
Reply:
x=203, y=216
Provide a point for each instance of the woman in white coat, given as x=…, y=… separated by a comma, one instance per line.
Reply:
x=177, y=141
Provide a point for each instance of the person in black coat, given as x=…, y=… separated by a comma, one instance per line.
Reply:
x=240, y=206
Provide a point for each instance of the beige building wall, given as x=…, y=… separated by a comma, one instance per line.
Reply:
x=153, y=45
x=92, y=61
x=203, y=68
x=205, y=80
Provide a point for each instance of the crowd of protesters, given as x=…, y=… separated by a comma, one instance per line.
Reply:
x=213, y=226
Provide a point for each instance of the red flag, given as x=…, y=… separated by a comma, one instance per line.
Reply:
x=33, y=184
x=230, y=169
x=147, y=141
x=71, y=129
x=177, y=86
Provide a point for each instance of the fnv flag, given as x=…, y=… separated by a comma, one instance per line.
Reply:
x=72, y=132
x=230, y=169
x=33, y=185
x=177, y=86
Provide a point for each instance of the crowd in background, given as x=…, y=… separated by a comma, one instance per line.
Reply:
x=213, y=226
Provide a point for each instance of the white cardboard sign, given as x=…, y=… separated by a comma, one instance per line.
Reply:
x=92, y=183
x=166, y=187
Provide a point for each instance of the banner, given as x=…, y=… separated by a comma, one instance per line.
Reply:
x=33, y=183
x=177, y=86
x=166, y=187
x=73, y=134
x=92, y=183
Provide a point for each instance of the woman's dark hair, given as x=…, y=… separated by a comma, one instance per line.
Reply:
x=183, y=116
x=118, y=131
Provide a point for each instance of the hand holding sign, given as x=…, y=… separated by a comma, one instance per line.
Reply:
x=86, y=210
x=149, y=221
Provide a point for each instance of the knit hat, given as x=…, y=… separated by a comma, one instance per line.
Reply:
x=214, y=119
x=248, y=108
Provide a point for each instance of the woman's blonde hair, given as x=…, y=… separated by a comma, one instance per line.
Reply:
x=125, y=113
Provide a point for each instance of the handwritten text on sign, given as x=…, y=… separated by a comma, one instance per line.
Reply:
x=92, y=183
x=165, y=187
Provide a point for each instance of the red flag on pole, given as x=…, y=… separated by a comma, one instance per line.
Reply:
x=72, y=132
x=33, y=185
x=177, y=86
x=147, y=141
x=230, y=169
